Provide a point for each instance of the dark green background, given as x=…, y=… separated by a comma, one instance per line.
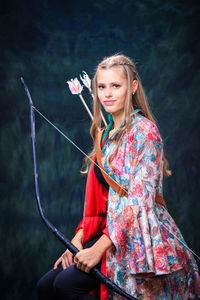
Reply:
x=49, y=42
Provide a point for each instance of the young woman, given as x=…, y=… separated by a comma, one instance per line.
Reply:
x=126, y=228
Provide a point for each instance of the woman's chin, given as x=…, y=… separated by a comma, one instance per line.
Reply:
x=109, y=109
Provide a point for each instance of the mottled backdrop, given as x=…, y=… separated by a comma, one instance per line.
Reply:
x=49, y=42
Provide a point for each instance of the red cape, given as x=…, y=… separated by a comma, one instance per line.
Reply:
x=95, y=212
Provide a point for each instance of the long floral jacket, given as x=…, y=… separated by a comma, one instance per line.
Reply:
x=149, y=257
x=146, y=240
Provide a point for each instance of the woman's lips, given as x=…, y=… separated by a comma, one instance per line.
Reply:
x=109, y=102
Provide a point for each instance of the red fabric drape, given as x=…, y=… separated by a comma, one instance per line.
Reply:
x=95, y=212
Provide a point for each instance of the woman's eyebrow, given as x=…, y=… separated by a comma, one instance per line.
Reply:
x=114, y=82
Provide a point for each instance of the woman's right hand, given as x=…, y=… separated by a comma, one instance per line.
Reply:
x=66, y=258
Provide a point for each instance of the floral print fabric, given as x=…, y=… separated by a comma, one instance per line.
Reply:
x=149, y=258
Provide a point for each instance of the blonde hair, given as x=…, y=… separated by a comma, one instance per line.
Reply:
x=138, y=100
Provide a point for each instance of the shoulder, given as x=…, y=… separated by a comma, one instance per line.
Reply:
x=142, y=129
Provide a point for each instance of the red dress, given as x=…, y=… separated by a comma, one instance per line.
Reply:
x=95, y=212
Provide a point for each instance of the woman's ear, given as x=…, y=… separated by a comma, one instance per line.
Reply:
x=134, y=86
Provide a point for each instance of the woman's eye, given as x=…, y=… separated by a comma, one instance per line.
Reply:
x=100, y=87
x=116, y=85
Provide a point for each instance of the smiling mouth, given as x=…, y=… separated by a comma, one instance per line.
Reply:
x=109, y=102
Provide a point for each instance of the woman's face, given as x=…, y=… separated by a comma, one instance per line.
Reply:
x=112, y=88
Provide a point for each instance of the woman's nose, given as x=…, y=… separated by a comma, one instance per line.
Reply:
x=108, y=92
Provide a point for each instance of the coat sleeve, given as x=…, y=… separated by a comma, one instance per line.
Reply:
x=133, y=224
x=146, y=172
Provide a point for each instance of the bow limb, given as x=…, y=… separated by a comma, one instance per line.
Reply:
x=111, y=285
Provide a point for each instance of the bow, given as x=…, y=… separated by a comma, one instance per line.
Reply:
x=50, y=226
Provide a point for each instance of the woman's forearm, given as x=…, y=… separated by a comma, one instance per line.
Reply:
x=78, y=238
x=102, y=245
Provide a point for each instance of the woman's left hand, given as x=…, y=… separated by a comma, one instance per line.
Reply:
x=86, y=259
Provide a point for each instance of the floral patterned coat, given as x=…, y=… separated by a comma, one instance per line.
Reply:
x=146, y=240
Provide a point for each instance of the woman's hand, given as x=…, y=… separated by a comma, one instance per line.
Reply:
x=66, y=258
x=88, y=258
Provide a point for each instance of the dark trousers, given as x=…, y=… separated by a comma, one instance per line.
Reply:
x=70, y=283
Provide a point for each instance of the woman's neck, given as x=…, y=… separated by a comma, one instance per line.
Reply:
x=118, y=118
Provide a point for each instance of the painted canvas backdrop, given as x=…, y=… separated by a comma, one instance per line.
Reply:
x=49, y=42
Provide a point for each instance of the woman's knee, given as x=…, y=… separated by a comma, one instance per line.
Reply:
x=44, y=286
x=72, y=283
x=41, y=287
x=63, y=286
